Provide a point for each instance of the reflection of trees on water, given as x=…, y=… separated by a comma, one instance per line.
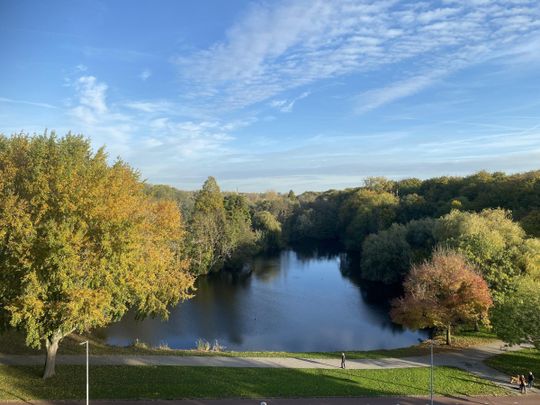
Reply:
x=267, y=267
x=279, y=305
x=218, y=305
x=376, y=296
x=317, y=250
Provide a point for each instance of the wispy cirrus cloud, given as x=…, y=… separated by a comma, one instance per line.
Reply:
x=286, y=105
x=159, y=106
x=31, y=103
x=290, y=44
x=148, y=132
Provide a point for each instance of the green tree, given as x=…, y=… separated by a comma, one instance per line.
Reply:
x=516, y=318
x=279, y=205
x=531, y=223
x=529, y=259
x=491, y=241
x=442, y=292
x=408, y=186
x=240, y=238
x=388, y=255
x=316, y=219
x=380, y=184
x=80, y=242
x=270, y=229
x=208, y=245
x=412, y=206
x=366, y=211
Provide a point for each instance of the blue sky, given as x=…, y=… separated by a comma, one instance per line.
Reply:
x=302, y=95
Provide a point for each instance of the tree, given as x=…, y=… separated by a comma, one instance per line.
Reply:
x=442, y=292
x=491, y=241
x=531, y=223
x=366, y=211
x=270, y=229
x=380, y=184
x=387, y=256
x=184, y=199
x=207, y=229
x=412, y=206
x=241, y=240
x=516, y=318
x=80, y=242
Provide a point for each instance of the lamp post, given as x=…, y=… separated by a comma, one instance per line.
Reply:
x=431, y=373
x=430, y=341
x=87, y=385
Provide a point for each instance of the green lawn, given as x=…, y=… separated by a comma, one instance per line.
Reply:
x=520, y=362
x=167, y=382
x=12, y=342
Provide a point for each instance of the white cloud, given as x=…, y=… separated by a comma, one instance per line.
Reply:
x=321, y=162
x=145, y=74
x=32, y=103
x=283, y=45
x=150, y=106
x=287, y=105
x=147, y=132
x=91, y=95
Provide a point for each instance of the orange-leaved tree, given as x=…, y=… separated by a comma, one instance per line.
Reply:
x=80, y=242
x=442, y=292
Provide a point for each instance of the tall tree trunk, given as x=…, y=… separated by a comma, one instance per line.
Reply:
x=51, y=345
x=449, y=335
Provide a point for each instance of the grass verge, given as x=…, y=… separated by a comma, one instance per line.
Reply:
x=12, y=342
x=169, y=382
x=518, y=362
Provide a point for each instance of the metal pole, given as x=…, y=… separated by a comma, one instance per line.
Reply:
x=431, y=374
x=87, y=376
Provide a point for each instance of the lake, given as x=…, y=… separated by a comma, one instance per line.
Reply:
x=291, y=302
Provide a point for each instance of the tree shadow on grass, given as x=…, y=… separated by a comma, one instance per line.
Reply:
x=174, y=382
x=393, y=383
x=25, y=383
x=475, y=380
x=331, y=366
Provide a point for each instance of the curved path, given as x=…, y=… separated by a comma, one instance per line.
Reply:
x=471, y=359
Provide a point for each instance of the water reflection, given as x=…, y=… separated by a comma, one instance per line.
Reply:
x=297, y=301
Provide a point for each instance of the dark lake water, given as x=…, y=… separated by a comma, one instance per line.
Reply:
x=291, y=302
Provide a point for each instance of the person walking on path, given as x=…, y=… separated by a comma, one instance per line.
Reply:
x=522, y=386
x=530, y=379
x=342, y=360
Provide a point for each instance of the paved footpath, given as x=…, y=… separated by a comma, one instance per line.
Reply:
x=529, y=399
x=471, y=359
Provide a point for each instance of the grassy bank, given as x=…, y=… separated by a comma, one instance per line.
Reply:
x=520, y=362
x=12, y=342
x=167, y=382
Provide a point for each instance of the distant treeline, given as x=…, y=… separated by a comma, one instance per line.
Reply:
x=226, y=228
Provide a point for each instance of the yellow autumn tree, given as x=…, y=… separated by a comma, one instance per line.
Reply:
x=80, y=242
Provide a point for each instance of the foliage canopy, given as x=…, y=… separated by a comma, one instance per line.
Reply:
x=80, y=242
x=442, y=292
